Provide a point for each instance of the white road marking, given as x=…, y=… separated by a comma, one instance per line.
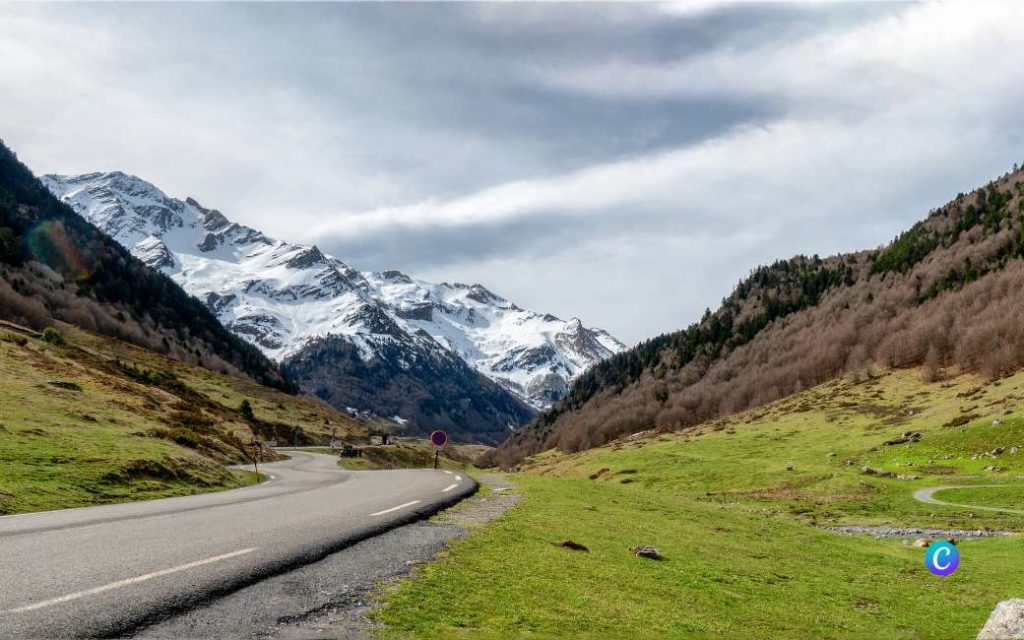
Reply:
x=458, y=478
x=449, y=488
x=401, y=506
x=447, y=471
x=130, y=581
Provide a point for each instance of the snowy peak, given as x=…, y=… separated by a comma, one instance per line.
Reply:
x=125, y=207
x=590, y=344
x=212, y=219
x=283, y=296
x=536, y=356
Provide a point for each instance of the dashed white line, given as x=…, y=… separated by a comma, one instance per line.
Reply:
x=447, y=471
x=458, y=478
x=130, y=581
x=449, y=488
x=401, y=506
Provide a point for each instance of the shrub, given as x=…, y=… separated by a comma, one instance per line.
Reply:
x=246, y=410
x=53, y=336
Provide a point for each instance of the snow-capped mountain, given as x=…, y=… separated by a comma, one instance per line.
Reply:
x=283, y=297
x=533, y=355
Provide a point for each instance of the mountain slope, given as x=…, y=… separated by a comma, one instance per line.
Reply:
x=89, y=419
x=944, y=294
x=533, y=355
x=287, y=298
x=55, y=265
x=454, y=397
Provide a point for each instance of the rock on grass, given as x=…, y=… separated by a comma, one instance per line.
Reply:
x=645, y=551
x=1006, y=622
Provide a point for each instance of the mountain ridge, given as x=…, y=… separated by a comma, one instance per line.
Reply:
x=942, y=294
x=283, y=297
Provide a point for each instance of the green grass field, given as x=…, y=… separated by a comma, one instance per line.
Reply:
x=739, y=509
x=1009, y=497
x=76, y=431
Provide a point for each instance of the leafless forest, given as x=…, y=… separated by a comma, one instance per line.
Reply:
x=946, y=295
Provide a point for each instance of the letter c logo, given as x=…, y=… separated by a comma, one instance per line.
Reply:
x=942, y=558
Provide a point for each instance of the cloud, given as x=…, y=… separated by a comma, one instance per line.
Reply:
x=624, y=163
x=879, y=121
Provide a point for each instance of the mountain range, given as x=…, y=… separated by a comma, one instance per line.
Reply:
x=447, y=355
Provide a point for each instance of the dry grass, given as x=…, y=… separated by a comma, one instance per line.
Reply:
x=77, y=429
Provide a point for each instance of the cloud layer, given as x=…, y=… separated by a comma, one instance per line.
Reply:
x=624, y=163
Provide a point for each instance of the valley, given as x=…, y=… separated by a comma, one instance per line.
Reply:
x=668, y=490
x=512, y=321
x=742, y=509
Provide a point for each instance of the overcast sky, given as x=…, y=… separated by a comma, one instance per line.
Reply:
x=626, y=164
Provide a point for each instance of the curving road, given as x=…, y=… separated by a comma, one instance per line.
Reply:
x=106, y=570
x=927, y=495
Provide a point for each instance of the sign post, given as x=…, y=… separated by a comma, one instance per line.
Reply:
x=257, y=448
x=440, y=440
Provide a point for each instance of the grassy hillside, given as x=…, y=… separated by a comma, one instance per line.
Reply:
x=86, y=419
x=947, y=293
x=740, y=509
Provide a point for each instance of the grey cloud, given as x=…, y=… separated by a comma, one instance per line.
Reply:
x=621, y=162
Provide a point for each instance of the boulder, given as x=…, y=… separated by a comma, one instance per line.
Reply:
x=645, y=551
x=1006, y=622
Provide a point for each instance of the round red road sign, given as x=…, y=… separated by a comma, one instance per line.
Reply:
x=439, y=439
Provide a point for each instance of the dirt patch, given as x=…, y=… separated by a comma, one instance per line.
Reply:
x=67, y=386
x=571, y=544
x=959, y=421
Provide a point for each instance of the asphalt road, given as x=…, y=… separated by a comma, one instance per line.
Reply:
x=105, y=571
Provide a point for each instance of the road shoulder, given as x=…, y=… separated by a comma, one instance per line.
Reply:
x=334, y=597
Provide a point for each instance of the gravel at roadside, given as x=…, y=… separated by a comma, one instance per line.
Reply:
x=331, y=598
